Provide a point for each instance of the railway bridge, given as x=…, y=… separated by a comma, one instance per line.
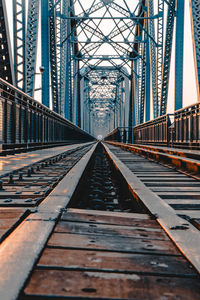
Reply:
x=99, y=149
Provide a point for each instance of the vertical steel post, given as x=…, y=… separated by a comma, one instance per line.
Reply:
x=148, y=83
x=53, y=57
x=179, y=54
x=195, y=12
x=68, y=69
x=131, y=107
x=45, y=50
x=67, y=85
x=151, y=27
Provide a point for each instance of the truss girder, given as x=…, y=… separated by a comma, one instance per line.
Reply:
x=64, y=49
x=6, y=70
x=19, y=42
x=153, y=56
x=31, y=46
x=195, y=13
x=91, y=10
x=143, y=85
x=58, y=12
x=53, y=57
x=87, y=47
x=167, y=56
x=160, y=31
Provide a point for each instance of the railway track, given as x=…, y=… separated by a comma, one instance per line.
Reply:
x=175, y=177
x=111, y=226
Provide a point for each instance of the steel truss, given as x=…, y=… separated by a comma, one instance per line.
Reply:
x=31, y=45
x=19, y=34
x=167, y=57
x=103, y=94
x=53, y=56
x=83, y=41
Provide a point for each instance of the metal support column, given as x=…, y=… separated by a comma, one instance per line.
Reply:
x=179, y=54
x=195, y=12
x=131, y=107
x=148, y=83
x=45, y=50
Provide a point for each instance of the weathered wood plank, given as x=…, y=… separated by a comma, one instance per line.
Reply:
x=109, y=230
x=115, y=262
x=112, y=218
x=112, y=243
x=96, y=285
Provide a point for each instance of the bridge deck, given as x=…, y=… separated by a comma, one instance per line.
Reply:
x=51, y=250
x=93, y=255
x=11, y=163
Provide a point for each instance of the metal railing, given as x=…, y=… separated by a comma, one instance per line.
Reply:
x=156, y=131
x=25, y=122
x=121, y=134
x=187, y=126
x=181, y=129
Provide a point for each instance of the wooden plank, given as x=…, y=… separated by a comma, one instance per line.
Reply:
x=9, y=220
x=171, y=184
x=109, y=230
x=179, y=194
x=191, y=214
x=176, y=189
x=13, y=213
x=111, y=214
x=115, y=262
x=110, y=218
x=96, y=285
x=111, y=243
x=186, y=206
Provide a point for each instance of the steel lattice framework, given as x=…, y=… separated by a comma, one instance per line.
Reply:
x=101, y=59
